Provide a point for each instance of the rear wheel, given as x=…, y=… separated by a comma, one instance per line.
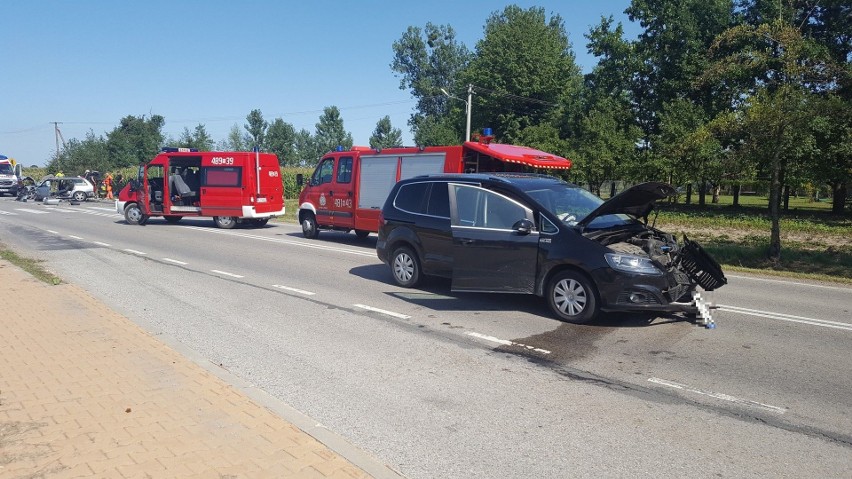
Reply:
x=260, y=222
x=572, y=297
x=405, y=267
x=361, y=234
x=225, y=222
x=172, y=218
x=309, y=226
x=132, y=214
x=79, y=196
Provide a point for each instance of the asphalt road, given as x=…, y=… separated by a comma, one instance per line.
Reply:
x=474, y=385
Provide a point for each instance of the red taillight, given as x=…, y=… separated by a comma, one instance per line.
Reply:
x=381, y=219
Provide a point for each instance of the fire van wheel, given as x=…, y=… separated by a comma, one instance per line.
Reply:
x=361, y=234
x=572, y=298
x=172, y=218
x=261, y=222
x=405, y=267
x=132, y=214
x=309, y=226
x=225, y=222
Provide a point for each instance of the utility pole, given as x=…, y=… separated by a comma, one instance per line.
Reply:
x=58, y=135
x=469, y=106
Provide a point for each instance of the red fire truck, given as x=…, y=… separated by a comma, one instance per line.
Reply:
x=232, y=187
x=348, y=188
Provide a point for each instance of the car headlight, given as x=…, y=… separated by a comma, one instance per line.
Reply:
x=632, y=264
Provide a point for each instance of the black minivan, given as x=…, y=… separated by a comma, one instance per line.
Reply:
x=535, y=234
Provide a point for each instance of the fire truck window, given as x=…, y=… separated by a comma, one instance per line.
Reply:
x=344, y=170
x=222, y=176
x=326, y=171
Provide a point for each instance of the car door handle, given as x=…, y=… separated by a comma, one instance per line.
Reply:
x=467, y=242
x=331, y=193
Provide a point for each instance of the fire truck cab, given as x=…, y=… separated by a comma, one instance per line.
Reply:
x=348, y=188
x=232, y=187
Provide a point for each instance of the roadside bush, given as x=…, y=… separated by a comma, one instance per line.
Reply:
x=288, y=175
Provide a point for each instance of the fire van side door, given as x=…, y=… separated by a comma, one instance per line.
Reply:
x=341, y=195
x=320, y=188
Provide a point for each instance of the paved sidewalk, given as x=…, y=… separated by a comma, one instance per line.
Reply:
x=84, y=392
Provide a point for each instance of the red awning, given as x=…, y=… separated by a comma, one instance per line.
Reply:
x=520, y=154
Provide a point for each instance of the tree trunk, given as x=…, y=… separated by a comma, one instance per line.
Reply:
x=612, y=189
x=689, y=193
x=737, y=194
x=702, y=193
x=717, y=189
x=786, y=198
x=774, y=214
x=838, y=197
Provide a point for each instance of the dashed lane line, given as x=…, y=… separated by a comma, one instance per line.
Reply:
x=101, y=243
x=35, y=212
x=382, y=311
x=227, y=273
x=174, y=261
x=724, y=397
x=506, y=342
x=8, y=213
x=75, y=237
x=135, y=252
x=295, y=290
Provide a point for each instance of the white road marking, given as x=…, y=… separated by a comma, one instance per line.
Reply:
x=135, y=252
x=295, y=290
x=175, y=261
x=382, y=311
x=101, y=244
x=75, y=237
x=37, y=212
x=8, y=213
x=506, y=342
x=102, y=208
x=724, y=397
x=51, y=231
x=789, y=282
x=787, y=317
x=227, y=273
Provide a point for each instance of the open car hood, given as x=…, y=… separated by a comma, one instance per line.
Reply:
x=637, y=201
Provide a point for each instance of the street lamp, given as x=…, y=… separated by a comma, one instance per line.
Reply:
x=467, y=106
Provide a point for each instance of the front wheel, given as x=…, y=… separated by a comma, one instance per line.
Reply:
x=309, y=226
x=132, y=214
x=405, y=267
x=572, y=298
x=225, y=222
x=79, y=196
x=361, y=234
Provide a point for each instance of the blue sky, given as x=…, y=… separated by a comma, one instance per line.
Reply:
x=89, y=63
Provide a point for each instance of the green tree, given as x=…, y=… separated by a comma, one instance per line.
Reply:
x=256, y=128
x=775, y=71
x=608, y=143
x=426, y=61
x=330, y=132
x=385, y=135
x=523, y=72
x=305, y=149
x=78, y=156
x=280, y=139
x=237, y=140
x=135, y=140
x=197, y=138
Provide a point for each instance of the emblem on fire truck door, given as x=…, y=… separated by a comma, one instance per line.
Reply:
x=322, y=199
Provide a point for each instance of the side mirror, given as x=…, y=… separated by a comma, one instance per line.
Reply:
x=134, y=185
x=300, y=180
x=523, y=227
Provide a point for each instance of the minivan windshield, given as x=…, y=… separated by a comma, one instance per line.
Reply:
x=571, y=204
x=6, y=169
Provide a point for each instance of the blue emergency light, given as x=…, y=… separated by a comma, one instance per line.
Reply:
x=486, y=132
x=338, y=148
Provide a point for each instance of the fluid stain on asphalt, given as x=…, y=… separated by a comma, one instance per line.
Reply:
x=567, y=343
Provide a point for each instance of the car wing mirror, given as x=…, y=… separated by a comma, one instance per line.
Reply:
x=300, y=179
x=523, y=227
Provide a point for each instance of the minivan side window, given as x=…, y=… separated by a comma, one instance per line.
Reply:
x=344, y=170
x=480, y=208
x=439, y=201
x=411, y=198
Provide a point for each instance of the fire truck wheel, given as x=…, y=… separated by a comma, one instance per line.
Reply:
x=309, y=226
x=225, y=222
x=132, y=214
x=405, y=267
x=361, y=234
x=172, y=218
x=260, y=222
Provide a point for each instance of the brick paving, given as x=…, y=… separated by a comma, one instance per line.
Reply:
x=84, y=392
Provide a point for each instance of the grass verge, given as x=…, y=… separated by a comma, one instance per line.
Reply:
x=31, y=266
